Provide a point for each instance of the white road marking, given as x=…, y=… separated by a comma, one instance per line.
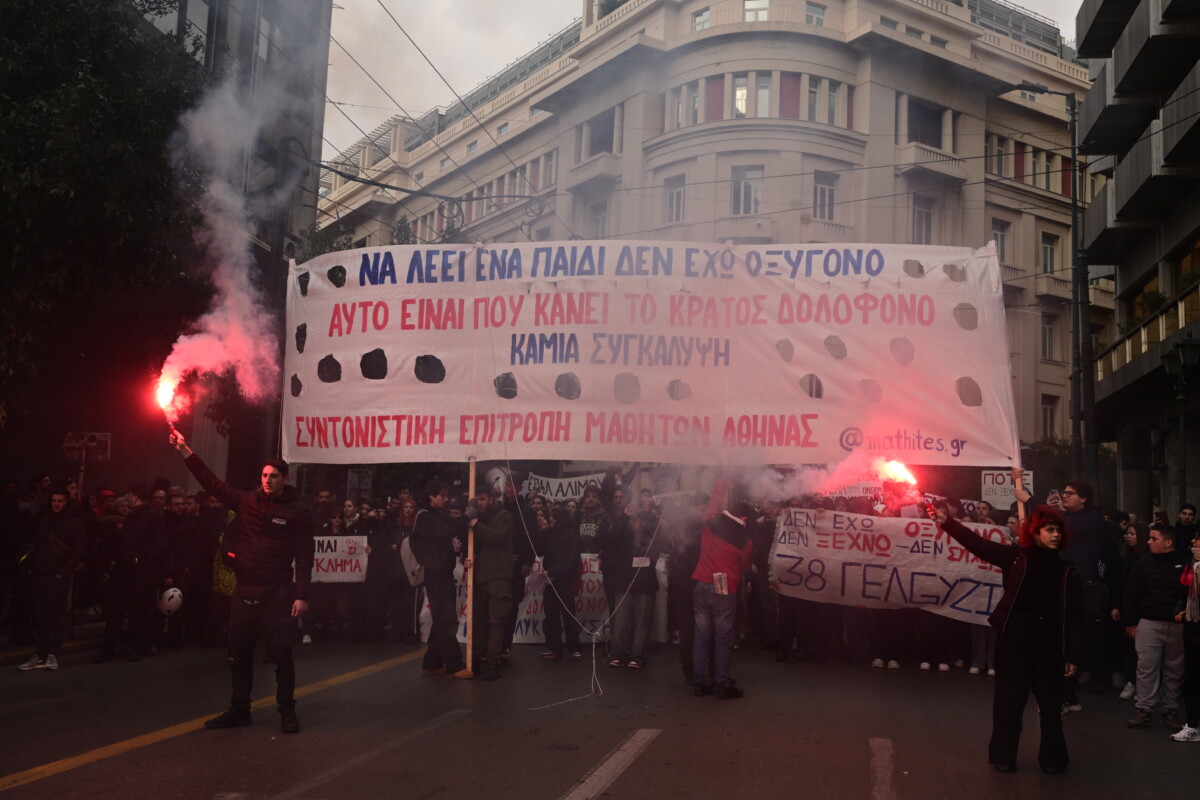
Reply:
x=370, y=755
x=608, y=770
x=881, y=770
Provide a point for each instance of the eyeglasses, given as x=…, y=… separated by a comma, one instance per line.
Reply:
x=1069, y=493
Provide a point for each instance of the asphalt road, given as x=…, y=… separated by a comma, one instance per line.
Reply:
x=374, y=727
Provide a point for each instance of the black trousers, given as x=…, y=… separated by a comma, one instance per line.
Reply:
x=679, y=596
x=492, y=601
x=1191, y=672
x=442, y=649
x=49, y=612
x=129, y=597
x=267, y=617
x=1028, y=658
x=559, y=616
x=518, y=597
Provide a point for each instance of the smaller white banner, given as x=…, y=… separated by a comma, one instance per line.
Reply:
x=340, y=559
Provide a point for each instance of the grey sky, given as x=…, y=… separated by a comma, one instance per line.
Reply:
x=468, y=40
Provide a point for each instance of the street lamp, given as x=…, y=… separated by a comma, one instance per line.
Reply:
x=1180, y=365
x=1085, y=448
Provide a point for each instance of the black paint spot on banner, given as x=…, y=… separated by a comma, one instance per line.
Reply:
x=914, y=268
x=627, y=388
x=835, y=346
x=903, y=350
x=301, y=336
x=567, y=386
x=785, y=349
x=969, y=392
x=506, y=385
x=302, y=278
x=374, y=365
x=297, y=386
x=429, y=369
x=678, y=390
x=812, y=386
x=337, y=276
x=329, y=370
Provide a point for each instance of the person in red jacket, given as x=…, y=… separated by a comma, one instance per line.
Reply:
x=275, y=529
x=725, y=545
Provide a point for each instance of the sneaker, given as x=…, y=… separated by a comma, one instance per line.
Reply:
x=33, y=663
x=636, y=663
x=730, y=692
x=491, y=671
x=615, y=662
x=701, y=690
x=943, y=667
x=287, y=720
x=550, y=655
x=1187, y=734
x=959, y=663
x=925, y=666
x=230, y=719
x=576, y=655
x=991, y=673
x=52, y=662
x=893, y=664
x=1142, y=719
x=1169, y=720
x=1129, y=692
x=877, y=663
x=1068, y=707
x=306, y=639
x=973, y=671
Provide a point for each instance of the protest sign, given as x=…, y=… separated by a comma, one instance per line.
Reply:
x=997, y=487
x=561, y=488
x=340, y=559
x=883, y=562
x=650, y=351
x=591, y=607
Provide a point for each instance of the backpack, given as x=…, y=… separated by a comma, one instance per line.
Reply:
x=412, y=565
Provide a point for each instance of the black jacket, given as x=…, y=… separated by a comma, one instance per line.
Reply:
x=433, y=541
x=1012, y=561
x=1153, y=590
x=561, y=558
x=1093, y=547
x=59, y=544
x=140, y=547
x=272, y=532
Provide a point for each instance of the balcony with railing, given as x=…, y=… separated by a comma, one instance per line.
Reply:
x=753, y=227
x=1147, y=334
x=597, y=173
x=931, y=160
x=1098, y=25
x=1048, y=284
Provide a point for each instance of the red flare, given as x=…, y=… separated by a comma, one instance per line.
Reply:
x=894, y=471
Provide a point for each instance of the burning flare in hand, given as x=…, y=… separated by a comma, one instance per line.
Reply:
x=894, y=471
x=172, y=403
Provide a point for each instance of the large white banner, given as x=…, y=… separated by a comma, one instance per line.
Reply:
x=883, y=562
x=649, y=351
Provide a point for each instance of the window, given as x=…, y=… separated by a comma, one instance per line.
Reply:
x=1030, y=96
x=762, y=95
x=922, y=219
x=694, y=103
x=268, y=32
x=473, y=146
x=924, y=123
x=890, y=24
x=1000, y=235
x=832, y=102
x=674, y=187
x=824, y=184
x=1049, y=353
x=1049, y=415
x=814, y=14
x=601, y=133
x=1049, y=253
x=747, y=190
x=444, y=163
x=197, y=27
x=677, y=108
x=936, y=42
x=998, y=154
x=814, y=91
x=419, y=176
x=915, y=33
x=599, y=213
x=755, y=10
x=741, y=91
x=701, y=20
x=548, y=168
x=503, y=129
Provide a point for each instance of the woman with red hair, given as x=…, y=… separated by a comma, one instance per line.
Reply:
x=1038, y=621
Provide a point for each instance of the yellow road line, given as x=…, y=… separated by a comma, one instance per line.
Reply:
x=147, y=739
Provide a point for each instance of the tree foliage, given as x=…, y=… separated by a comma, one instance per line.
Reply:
x=90, y=96
x=316, y=241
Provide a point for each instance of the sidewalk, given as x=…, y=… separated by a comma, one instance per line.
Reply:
x=86, y=637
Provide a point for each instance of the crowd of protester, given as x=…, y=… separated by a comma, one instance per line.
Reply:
x=66, y=556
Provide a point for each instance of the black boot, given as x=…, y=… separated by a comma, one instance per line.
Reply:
x=230, y=718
